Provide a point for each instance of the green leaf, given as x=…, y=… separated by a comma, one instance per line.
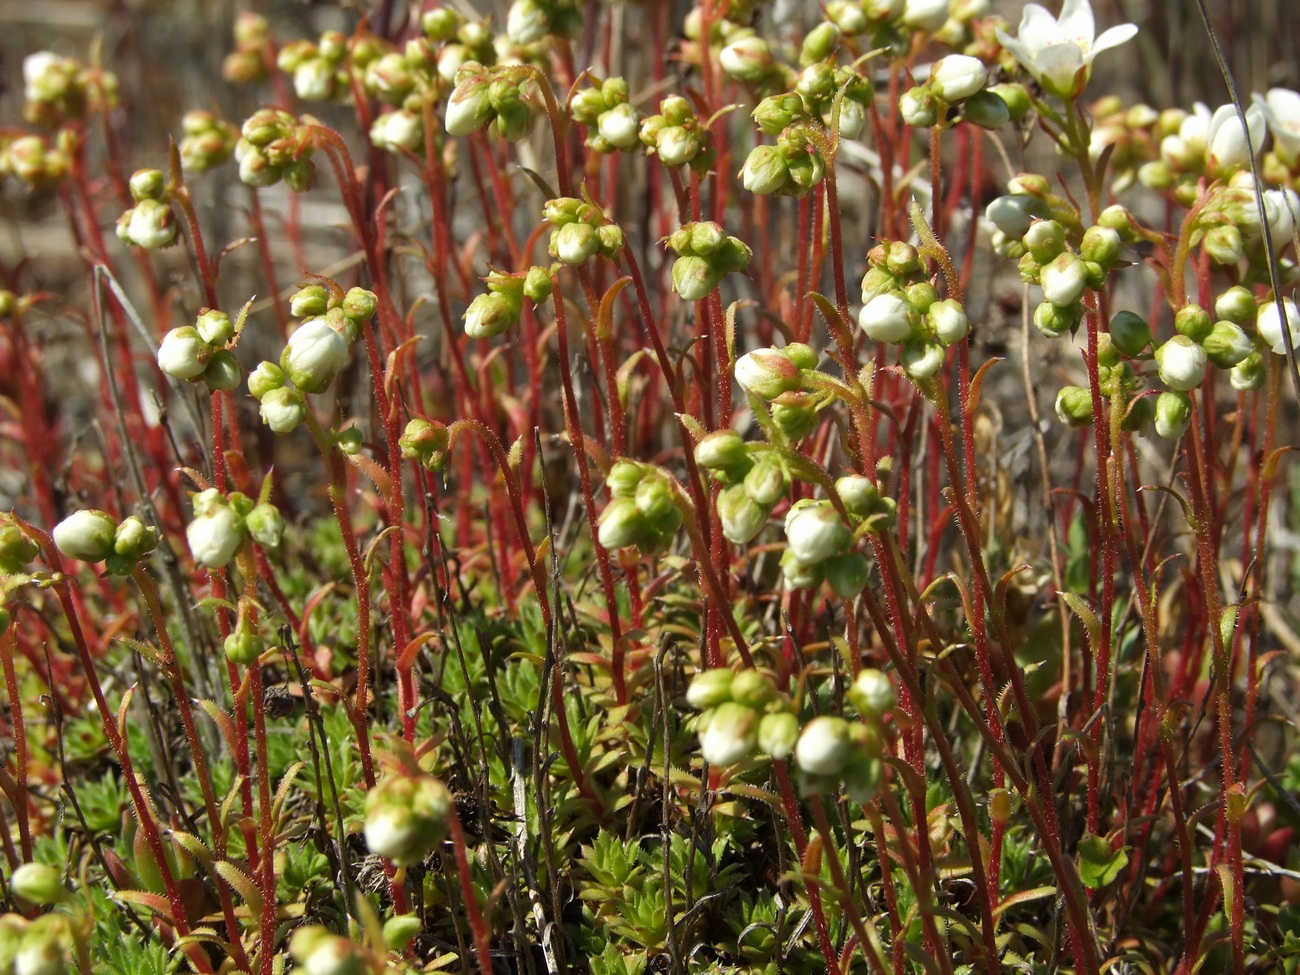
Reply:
x=1098, y=863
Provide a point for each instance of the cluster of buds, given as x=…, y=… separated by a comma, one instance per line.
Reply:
x=775, y=379
x=223, y=523
x=755, y=482
x=96, y=536
x=247, y=63
x=410, y=81
x=1127, y=131
x=58, y=89
x=486, y=96
x=461, y=40
x=820, y=549
x=833, y=750
x=150, y=223
x=582, y=231
x=901, y=307
x=426, y=441
x=497, y=310
x=203, y=351
x=1227, y=224
x=315, y=354
x=43, y=946
x=603, y=107
x=744, y=714
x=274, y=146
x=323, y=71
x=16, y=548
x=705, y=255
x=678, y=136
x=35, y=161
x=959, y=81
x=406, y=816
x=1202, y=143
x=206, y=141
x=643, y=510
x=531, y=21
x=792, y=167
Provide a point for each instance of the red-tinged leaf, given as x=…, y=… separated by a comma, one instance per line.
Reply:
x=605, y=314
x=122, y=709
x=623, y=378
x=366, y=465
x=240, y=883
x=143, y=898
x=393, y=366
x=407, y=657
x=221, y=719
x=976, y=383
x=811, y=864
x=1023, y=897
x=195, y=847
x=590, y=659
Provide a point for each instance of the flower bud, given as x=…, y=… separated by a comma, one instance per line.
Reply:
x=948, y=321
x=654, y=499
x=1053, y=321
x=858, y=493
x=1224, y=244
x=183, y=354
x=766, y=483
x=492, y=314
x=1249, y=374
x=468, y=108
x=747, y=59
x=1236, y=305
x=889, y=318
x=815, y=83
x=406, y=817
x=815, y=532
x=676, y=146
x=709, y=688
x=1015, y=97
x=921, y=296
x=360, y=305
x=767, y=373
x=728, y=734
x=720, y=450
x=777, y=734
x=42, y=949
x=987, y=110
x=1014, y=215
x=846, y=574
x=217, y=531
x=1101, y=245
x=694, y=278
x=824, y=747
x=266, y=377
x=820, y=43
x=918, y=108
x=1064, y=280
x=151, y=225
x=957, y=77
x=282, y=409
x=527, y=22
x=244, y=646
x=800, y=575
x=1268, y=322
x=1227, y=345
x=742, y=517
x=214, y=327
x=16, y=549
x=622, y=524
x=86, y=535
x=624, y=477
x=1181, y=363
x=38, y=884
x=1045, y=240
x=765, y=170
x=753, y=688
x=309, y=302
x=922, y=360
x=620, y=127
x=1074, y=406
x=794, y=414
x=774, y=113
x=317, y=952
x=266, y=525
x=223, y=372
x=147, y=184
x=1194, y=322
x=314, y=355
x=1173, y=414
x=872, y=693
x=133, y=539
x=1129, y=333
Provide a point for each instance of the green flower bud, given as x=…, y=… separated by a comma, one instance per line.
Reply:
x=742, y=517
x=266, y=525
x=266, y=377
x=1130, y=333
x=244, y=646
x=921, y=296
x=310, y=301
x=766, y=483
x=801, y=575
x=37, y=884
x=283, y=409
x=360, y=305
x=16, y=549
x=948, y=321
x=1053, y=321
x=794, y=414
x=872, y=693
x=753, y=688
x=624, y=477
x=214, y=327
x=847, y=574
x=1236, y=305
x=469, y=108
x=1045, y=240
x=720, y=450
x=1227, y=344
x=1015, y=97
x=622, y=525
x=709, y=688
x=1074, y=406
x=537, y=285
x=918, y=107
x=774, y=113
x=1249, y=374
x=654, y=498
x=223, y=372
x=134, y=539
x=574, y=243
x=765, y=171
x=1194, y=322
x=777, y=734
x=400, y=930
x=406, y=817
x=147, y=184
x=820, y=43
x=816, y=83
x=492, y=314
x=151, y=224
x=1101, y=245
x=1139, y=416
x=87, y=535
x=1224, y=244
x=987, y=110
x=1173, y=414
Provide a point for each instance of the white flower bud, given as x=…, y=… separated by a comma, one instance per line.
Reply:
x=183, y=354
x=469, y=108
x=872, y=693
x=747, y=59
x=765, y=170
x=1227, y=344
x=824, y=748
x=728, y=734
x=1173, y=414
x=815, y=532
x=406, y=816
x=889, y=318
x=767, y=373
x=313, y=80
x=398, y=130
x=742, y=517
x=958, y=76
x=1014, y=214
x=777, y=734
x=314, y=355
x=1064, y=280
x=1268, y=322
x=527, y=22
x=676, y=146
x=710, y=688
x=922, y=360
x=575, y=243
x=948, y=321
x=620, y=127
x=86, y=535
x=216, y=535
x=1181, y=363
x=151, y=225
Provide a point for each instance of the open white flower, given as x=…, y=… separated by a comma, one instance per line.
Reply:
x=1281, y=108
x=1059, y=51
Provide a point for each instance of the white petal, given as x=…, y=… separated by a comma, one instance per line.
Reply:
x=1037, y=27
x=1059, y=64
x=1019, y=50
x=1076, y=22
x=1114, y=37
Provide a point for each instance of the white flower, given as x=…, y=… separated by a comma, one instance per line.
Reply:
x=888, y=318
x=314, y=355
x=958, y=76
x=1268, y=322
x=824, y=747
x=1181, y=363
x=815, y=532
x=1059, y=51
x=215, y=536
x=183, y=354
x=1281, y=108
